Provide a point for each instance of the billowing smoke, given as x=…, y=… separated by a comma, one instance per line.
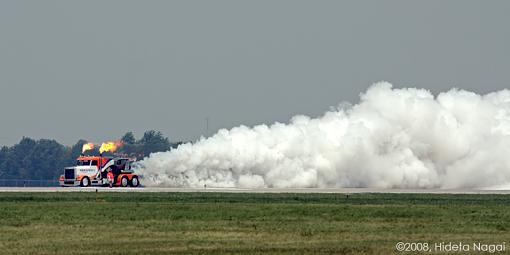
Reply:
x=393, y=138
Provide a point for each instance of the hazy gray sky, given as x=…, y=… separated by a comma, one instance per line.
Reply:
x=96, y=69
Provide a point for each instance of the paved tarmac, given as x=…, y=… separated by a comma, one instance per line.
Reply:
x=259, y=190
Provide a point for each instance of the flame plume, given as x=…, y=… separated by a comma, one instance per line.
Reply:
x=87, y=147
x=110, y=146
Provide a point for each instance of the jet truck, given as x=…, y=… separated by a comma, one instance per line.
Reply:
x=92, y=171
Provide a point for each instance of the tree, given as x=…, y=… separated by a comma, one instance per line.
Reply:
x=3, y=155
x=30, y=159
x=153, y=141
x=130, y=147
x=45, y=159
x=73, y=153
x=15, y=162
x=128, y=138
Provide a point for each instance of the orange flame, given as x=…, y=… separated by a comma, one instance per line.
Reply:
x=110, y=146
x=87, y=147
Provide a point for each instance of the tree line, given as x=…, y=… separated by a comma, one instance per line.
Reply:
x=46, y=158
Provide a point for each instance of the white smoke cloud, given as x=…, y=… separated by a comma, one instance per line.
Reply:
x=393, y=138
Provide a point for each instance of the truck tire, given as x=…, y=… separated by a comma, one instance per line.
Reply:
x=85, y=182
x=135, y=182
x=124, y=181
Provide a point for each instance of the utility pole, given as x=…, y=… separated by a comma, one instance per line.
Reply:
x=206, y=126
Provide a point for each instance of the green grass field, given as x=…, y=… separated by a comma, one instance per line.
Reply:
x=233, y=223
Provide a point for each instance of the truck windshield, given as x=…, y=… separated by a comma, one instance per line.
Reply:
x=83, y=163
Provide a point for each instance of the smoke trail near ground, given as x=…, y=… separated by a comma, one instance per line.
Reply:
x=393, y=138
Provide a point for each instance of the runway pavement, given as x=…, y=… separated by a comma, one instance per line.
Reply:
x=259, y=190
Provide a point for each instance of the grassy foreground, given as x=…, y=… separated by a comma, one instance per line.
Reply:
x=230, y=223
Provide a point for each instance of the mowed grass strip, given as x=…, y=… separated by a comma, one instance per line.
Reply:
x=236, y=223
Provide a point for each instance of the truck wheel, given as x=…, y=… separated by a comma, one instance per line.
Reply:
x=124, y=181
x=135, y=182
x=85, y=182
